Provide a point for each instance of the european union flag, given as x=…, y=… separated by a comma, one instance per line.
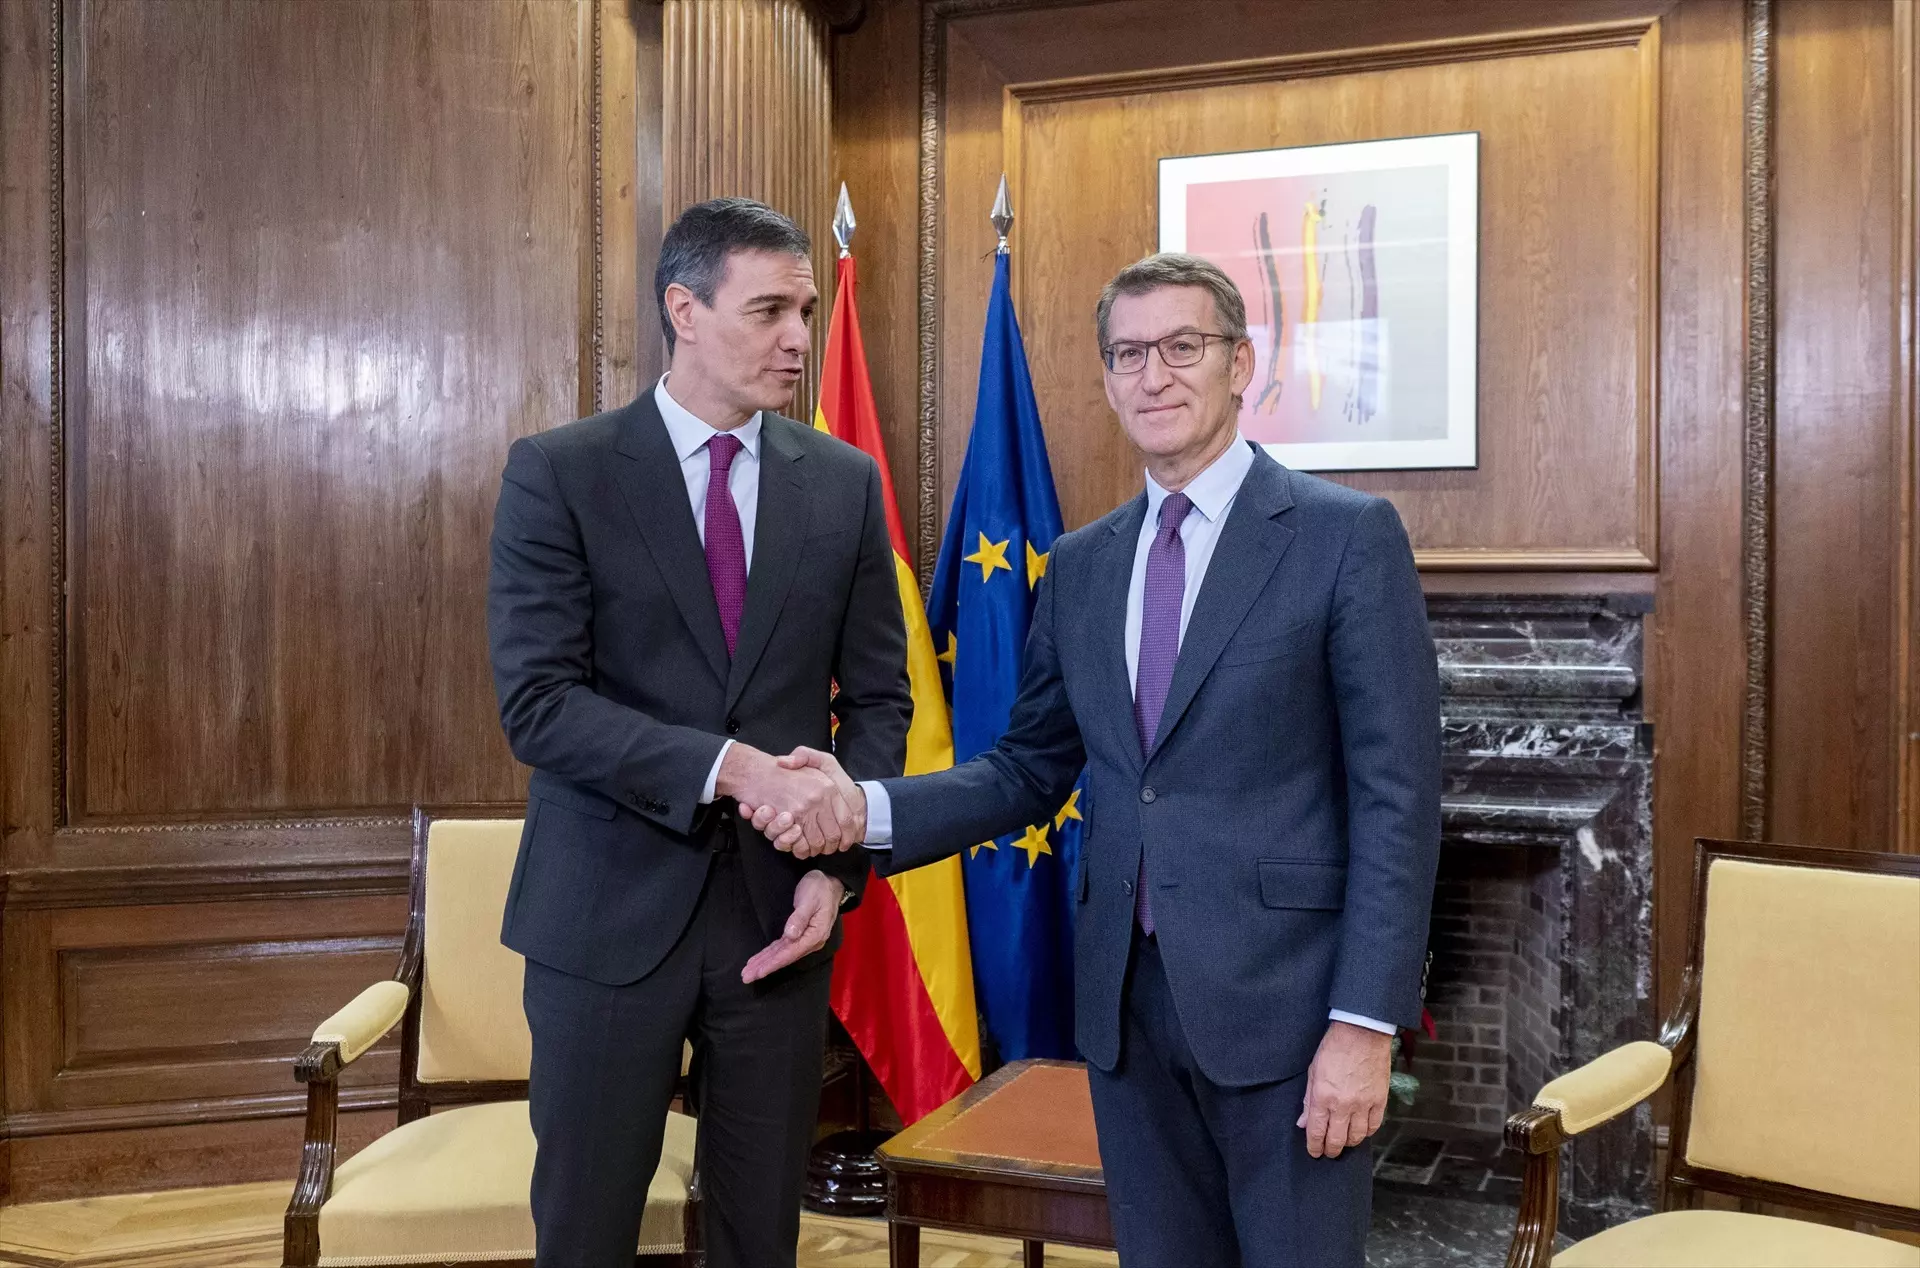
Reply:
x=999, y=533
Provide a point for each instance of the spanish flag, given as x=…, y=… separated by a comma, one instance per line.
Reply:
x=903, y=980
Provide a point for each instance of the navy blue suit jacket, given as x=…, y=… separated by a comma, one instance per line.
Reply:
x=1290, y=806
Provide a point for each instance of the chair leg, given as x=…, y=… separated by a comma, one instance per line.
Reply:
x=692, y=1253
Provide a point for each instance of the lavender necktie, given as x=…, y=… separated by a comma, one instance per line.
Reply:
x=1160, y=603
x=726, y=545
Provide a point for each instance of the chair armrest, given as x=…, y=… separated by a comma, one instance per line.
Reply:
x=1607, y=1086
x=359, y=1025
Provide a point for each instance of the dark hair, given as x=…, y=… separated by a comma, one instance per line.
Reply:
x=1175, y=268
x=694, y=252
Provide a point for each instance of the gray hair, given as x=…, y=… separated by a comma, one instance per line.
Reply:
x=1176, y=268
x=694, y=252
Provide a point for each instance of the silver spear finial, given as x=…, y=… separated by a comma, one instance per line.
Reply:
x=843, y=223
x=1002, y=215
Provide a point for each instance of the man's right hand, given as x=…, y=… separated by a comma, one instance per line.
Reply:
x=788, y=831
x=816, y=816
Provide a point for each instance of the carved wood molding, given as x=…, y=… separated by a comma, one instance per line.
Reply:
x=1341, y=61
x=1906, y=633
x=1756, y=502
x=57, y=405
x=224, y=1109
x=139, y=885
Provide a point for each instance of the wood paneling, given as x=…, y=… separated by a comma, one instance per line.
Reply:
x=280, y=284
x=1696, y=643
x=1843, y=694
x=876, y=138
x=181, y=1003
x=282, y=453
x=1566, y=361
x=1839, y=443
x=747, y=111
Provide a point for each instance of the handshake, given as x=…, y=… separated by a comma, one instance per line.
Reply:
x=803, y=802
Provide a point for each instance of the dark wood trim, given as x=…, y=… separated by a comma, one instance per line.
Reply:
x=1906, y=621
x=1565, y=39
x=57, y=319
x=33, y=888
x=224, y=1109
x=593, y=359
x=1756, y=499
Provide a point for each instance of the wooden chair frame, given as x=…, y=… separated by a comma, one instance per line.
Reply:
x=320, y=1065
x=1539, y=1133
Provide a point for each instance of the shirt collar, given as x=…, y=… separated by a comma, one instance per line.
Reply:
x=1213, y=490
x=689, y=432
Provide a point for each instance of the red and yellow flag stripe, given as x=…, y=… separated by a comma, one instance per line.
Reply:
x=903, y=980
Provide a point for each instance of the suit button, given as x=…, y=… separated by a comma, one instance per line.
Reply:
x=1127, y=885
x=1147, y=795
x=733, y=726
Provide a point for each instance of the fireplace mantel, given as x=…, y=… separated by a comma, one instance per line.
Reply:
x=1546, y=752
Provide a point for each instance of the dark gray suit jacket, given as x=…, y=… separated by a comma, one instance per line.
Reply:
x=1290, y=809
x=615, y=685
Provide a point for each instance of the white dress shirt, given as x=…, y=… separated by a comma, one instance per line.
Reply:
x=690, y=435
x=1212, y=493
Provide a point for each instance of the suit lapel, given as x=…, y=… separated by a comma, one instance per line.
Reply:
x=649, y=478
x=1113, y=575
x=779, y=536
x=1250, y=546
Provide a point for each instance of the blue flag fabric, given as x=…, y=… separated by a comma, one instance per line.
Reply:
x=1000, y=531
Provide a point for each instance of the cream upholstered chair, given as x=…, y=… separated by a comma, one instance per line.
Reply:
x=1795, y=1053
x=450, y=1184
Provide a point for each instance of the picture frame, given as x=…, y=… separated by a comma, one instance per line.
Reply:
x=1359, y=263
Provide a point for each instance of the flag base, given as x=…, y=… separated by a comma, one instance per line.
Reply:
x=844, y=1178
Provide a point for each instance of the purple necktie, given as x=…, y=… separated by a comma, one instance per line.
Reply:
x=1160, y=602
x=726, y=545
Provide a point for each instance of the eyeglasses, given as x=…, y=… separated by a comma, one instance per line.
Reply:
x=1178, y=350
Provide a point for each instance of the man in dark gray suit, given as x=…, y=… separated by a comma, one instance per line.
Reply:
x=677, y=586
x=1240, y=658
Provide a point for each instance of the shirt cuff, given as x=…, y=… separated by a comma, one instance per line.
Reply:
x=713, y=776
x=879, y=815
x=1352, y=1019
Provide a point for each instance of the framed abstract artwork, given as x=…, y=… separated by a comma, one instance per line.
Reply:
x=1360, y=267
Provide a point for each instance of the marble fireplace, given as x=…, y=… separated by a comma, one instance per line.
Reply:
x=1542, y=928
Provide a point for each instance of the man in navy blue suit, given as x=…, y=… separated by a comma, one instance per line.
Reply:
x=1240, y=659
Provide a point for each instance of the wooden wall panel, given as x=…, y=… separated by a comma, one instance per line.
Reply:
x=283, y=454
x=747, y=111
x=280, y=284
x=1695, y=647
x=876, y=136
x=1838, y=445
x=1566, y=369
x=169, y=1004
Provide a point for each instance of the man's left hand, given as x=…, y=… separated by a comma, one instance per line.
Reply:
x=816, y=905
x=1346, y=1088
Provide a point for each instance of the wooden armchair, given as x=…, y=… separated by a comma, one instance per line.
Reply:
x=1795, y=1053
x=450, y=1184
